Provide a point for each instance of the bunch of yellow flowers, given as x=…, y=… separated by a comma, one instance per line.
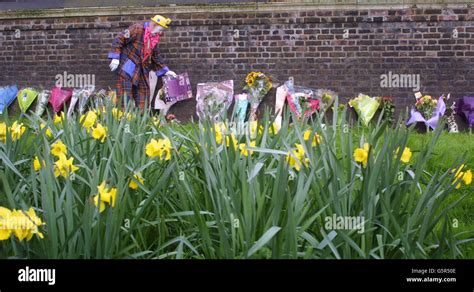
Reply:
x=19, y=223
x=16, y=130
x=462, y=175
x=159, y=148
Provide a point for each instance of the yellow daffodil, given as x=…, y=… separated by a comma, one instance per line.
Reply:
x=361, y=155
x=231, y=139
x=58, y=148
x=156, y=121
x=64, y=166
x=19, y=223
x=37, y=164
x=159, y=148
x=133, y=184
x=17, y=130
x=244, y=150
x=219, y=130
x=117, y=113
x=460, y=175
x=105, y=195
x=274, y=128
x=316, y=138
x=467, y=177
x=58, y=119
x=99, y=132
x=88, y=120
x=406, y=155
x=3, y=132
x=296, y=158
x=47, y=132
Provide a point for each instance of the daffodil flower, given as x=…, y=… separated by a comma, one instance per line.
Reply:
x=104, y=196
x=88, y=120
x=159, y=148
x=133, y=184
x=99, y=133
x=296, y=158
x=3, y=132
x=361, y=155
x=21, y=224
x=244, y=150
x=406, y=155
x=316, y=138
x=64, y=166
x=17, y=130
x=58, y=148
x=47, y=132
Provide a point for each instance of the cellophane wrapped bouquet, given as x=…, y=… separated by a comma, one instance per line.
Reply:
x=257, y=85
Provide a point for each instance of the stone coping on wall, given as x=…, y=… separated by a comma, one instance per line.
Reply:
x=211, y=8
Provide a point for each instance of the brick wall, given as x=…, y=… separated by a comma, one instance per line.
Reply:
x=306, y=42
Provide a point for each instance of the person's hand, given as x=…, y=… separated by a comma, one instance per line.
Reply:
x=114, y=64
x=171, y=73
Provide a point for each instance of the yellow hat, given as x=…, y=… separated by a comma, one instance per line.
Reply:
x=161, y=20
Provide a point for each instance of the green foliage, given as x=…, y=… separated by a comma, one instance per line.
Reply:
x=212, y=201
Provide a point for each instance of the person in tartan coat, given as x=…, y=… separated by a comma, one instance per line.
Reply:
x=135, y=53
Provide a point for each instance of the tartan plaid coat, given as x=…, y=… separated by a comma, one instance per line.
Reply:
x=133, y=73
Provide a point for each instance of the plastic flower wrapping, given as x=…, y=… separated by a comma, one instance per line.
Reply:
x=82, y=96
x=43, y=98
x=301, y=100
x=160, y=103
x=59, y=96
x=466, y=106
x=428, y=111
x=214, y=98
x=102, y=95
x=365, y=107
x=177, y=88
x=257, y=85
x=26, y=97
x=241, y=104
x=7, y=96
x=326, y=98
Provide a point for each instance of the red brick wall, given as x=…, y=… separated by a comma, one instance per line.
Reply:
x=308, y=45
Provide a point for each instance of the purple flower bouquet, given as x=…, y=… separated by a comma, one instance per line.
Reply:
x=466, y=106
x=431, y=122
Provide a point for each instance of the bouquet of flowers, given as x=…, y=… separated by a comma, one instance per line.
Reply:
x=302, y=101
x=425, y=105
x=59, y=96
x=177, y=88
x=365, y=106
x=26, y=97
x=214, y=98
x=326, y=98
x=79, y=95
x=7, y=96
x=386, y=104
x=257, y=85
x=427, y=110
x=466, y=106
x=43, y=98
x=84, y=97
